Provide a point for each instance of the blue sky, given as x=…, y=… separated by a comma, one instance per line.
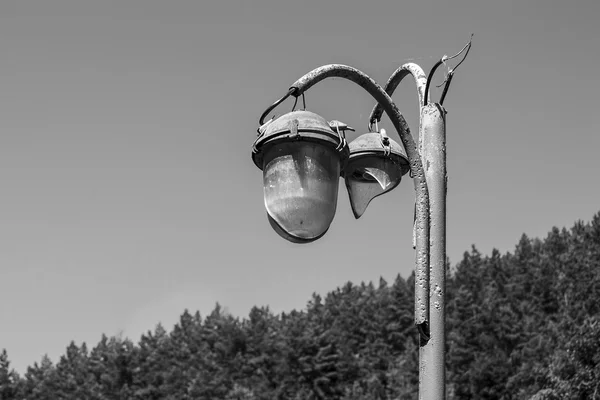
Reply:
x=128, y=191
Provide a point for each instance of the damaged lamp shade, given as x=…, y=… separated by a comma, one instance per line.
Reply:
x=301, y=169
x=375, y=166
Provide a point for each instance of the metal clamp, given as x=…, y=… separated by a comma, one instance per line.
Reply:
x=385, y=143
x=293, y=125
x=342, y=137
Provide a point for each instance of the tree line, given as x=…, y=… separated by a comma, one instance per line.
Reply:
x=521, y=325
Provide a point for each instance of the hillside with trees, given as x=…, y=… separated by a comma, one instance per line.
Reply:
x=521, y=325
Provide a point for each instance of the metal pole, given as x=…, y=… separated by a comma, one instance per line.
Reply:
x=432, y=376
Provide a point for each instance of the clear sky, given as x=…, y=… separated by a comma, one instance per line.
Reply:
x=127, y=191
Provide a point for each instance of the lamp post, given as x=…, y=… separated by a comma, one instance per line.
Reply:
x=302, y=155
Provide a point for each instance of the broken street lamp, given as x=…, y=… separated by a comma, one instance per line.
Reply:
x=375, y=166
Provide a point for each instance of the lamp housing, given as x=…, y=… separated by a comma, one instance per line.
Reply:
x=302, y=158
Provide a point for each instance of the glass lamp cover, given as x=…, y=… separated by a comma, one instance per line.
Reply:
x=369, y=177
x=300, y=186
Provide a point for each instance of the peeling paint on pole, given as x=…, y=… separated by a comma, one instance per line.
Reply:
x=432, y=386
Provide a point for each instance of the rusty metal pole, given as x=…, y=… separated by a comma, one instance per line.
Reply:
x=432, y=375
x=428, y=166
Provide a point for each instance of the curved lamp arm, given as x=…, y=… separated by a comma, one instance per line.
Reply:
x=392, y=83
x=416, y=167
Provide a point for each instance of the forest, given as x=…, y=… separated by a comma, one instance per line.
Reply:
x=520, y=325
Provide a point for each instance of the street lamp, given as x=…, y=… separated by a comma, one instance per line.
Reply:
x=302, y=155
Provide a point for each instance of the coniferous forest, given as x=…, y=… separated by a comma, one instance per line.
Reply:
x=521, y=325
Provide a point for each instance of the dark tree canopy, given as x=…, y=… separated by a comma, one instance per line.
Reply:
x=521, y=325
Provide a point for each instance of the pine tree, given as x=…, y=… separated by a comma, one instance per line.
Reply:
x=9, y=379
x=40, y=381
x=149, y=376
x=524, y=325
